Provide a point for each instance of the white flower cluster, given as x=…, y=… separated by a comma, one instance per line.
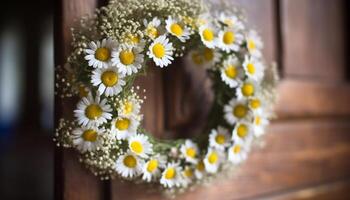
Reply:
x=109, y=107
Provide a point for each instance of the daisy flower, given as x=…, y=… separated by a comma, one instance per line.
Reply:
x=231, y=21
x=229, y=40
x=177, y=29
x=199, y=170
x=206, y=56
x=190, y=151
x=92, y=112
x=124, y=127
x=237, y=152
x=260, y=122
x=236, y=110
x=152, y=28
x=254, y=43
x=232, y=73
x=243, y=131
x=161, y=51
x=171, y=175
x=108, y=80
x=212, y=160
x=129, y=165
x=207, y=33
x=135, y=40
x=253, y=68
x=211, y=56
x=129, y=107
x=128, y=59
x=188, y=176
x=247, y=89
x=86, y=139
x=255, y=103
x=151, y=169
x=99, y=53
x=219, y=138
x=139, y=145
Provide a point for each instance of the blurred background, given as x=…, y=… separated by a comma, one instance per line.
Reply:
x=306, y=154
x=26, y=100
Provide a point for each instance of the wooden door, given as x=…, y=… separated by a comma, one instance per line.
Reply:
x=306, y=152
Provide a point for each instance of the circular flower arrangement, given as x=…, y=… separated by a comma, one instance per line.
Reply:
x=118, y=44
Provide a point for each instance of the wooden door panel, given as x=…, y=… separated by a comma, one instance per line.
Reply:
x=310, y=98
x=72, y=181
x=307, y=152
x=313, y=37
x=308, y=146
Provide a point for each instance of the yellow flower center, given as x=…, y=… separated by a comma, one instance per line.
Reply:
x=240, y=111
x=158, y=50
x=170, y=173
x=176, y=29
x=258, y=120
x=191, y=152
x=229, y=37
x=208, y=54
x=90, y=135
x=109, y=78
x=236, y=149
x=136, y=147
x=251, y=45
x=127, y=57
x=122, y=124
x=231, y=71
x=152, y=165
x=200, y=166
x=255, y=103
x=247, y=89
x=93, y=111
x=135, y=39
x=152, y=32
x=197, y=58
x=188, y=172
x=208, y=34
x=128, y=107
x=242, y=130
x=130, y=161
x=251, y=68
x=213, y=157
x=102, y=54
x=220, y=139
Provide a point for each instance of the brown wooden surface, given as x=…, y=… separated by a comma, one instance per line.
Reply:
x=313, y=38
x=72, y=180
x=338, y=190
x=309, y=98
x=306, y=153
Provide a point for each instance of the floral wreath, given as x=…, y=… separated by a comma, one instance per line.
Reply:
x=118, y=44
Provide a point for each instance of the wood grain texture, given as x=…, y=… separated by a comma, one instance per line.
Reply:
x=307, y=98
x=153, y=107
x=313, y=39
x=307, y=152
x=72, y=180
x=338, y=190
